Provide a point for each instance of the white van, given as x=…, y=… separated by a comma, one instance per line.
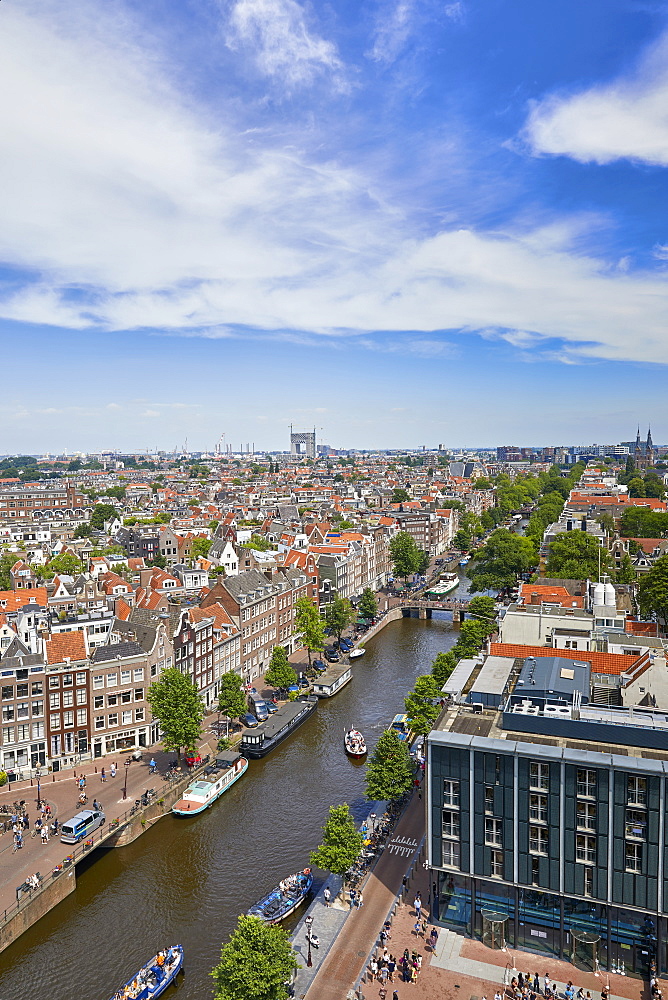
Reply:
x=81, y=826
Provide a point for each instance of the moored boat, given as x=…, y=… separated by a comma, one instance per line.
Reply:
x=284, y=899
x=464, y=561
x=153, y=978
x=354, y=743
x=447, y=583
x=202, y=793
x=259, y=742
x=355, y=654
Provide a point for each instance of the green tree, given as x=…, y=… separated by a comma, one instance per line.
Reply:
x=341, y=842
x=641, y=522
x=482, y=606
x=653, y=591
x=116, y=491
x=102, y=512
x=280, y=673
x=462, y=540
x=339, y=614
x=500, y=561
x=472, y=635
x=255, y=964
x=420, y=706
x=258, y=542
x=231, y=696
x=625, y=572
x=636, y=487
x=82, y=531
x=177, y=705
x=368, y=606
x=309, y=626
x=7, y=560
x=575, y=555
x=442, y=667
x=200, y=547
x=400, y=495
x=405, y=554
x=423, y=564
x=66, y=564
x=389, y=770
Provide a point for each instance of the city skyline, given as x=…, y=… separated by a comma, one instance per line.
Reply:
x=401, y=224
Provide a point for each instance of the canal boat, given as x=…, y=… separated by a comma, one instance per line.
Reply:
x=153, y=978
x=261, y=741
x=355, y=654
x=332, y=680
x=202, y=793
x=447, y=583
x=464, y=560
x=284, y=899
x=354, y=743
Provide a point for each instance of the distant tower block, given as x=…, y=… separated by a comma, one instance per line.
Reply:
x=302, y=443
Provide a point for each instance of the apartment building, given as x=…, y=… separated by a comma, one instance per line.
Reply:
x=42, y=502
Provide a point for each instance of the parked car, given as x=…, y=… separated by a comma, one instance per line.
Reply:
x=345, y=645
x=319, y=665
x=332, y=656
x=248, y=720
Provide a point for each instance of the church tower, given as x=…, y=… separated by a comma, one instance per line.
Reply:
x=638, y=451
x=649, y=450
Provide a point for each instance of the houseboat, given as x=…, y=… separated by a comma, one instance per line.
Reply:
x=153, y=978
x=284, y=899
x=202, y=793
x=261, y=741
x=447, y=583
x=331, y=681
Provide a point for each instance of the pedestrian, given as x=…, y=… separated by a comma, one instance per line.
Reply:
x=536, y=982
x=382, y=993
x=382, y=937
x=113, y=770
x=387, y=926
x=433, y=938
x=391, y=966
x=26, y=822
x=497, y=996
x=97, y=805
x=327, y=895
x=360, y=899
x=45, y=834
x=383, y=974
x=416, y=927
x=352, y=898
x=417, y=903
x=373, y=966
x=520, y=980
x=82, y=783
x=395, y=995
x=546, y=982
x=103, y=775
x=404, y=883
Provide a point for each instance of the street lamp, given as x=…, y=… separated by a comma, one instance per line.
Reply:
x=309, y=923
x=125, y=784
x=38, y=775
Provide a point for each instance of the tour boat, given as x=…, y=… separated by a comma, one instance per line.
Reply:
x=259, y=742
x=153, y=978
x=355, y=654
x=447, y=583
x=284, y=899
x=202, y=793
x=354, y=742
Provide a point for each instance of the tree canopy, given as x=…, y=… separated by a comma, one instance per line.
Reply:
x=102, y=512
x=231, y=696
x=406, y=556
x=341, y=842
x=339, y=614
x=368, y=605
x=389, y=770
x=420, y=706
x=653, y=591
x=309, y=626
x=255, y=964
x=482, y=606
x=642, y=522
x=178, y=706
x=400, y=495
x=575, y=555
x=280, y=673
x=200, y=547
x=501, y=560
x=7, y=560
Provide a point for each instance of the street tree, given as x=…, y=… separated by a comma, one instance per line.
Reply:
x=231, y=696
x=400, y=495
x=389, y=770
x=200, y=547
x=576, y=555
x=420, y=706
x=82, y=530
x=309, y=626
x=256, y=963
x=7, y=560
x=280, y=673
x=341, y=842
x=482, y=606
x=102, y=512
x=67, y=564
x=472, y=635
x=501, y=560
x=653, y=591
x=442, y=667
x=339, y=615
x=462, y=540
x=405, y=555
x=368, y=606
x=177, y=705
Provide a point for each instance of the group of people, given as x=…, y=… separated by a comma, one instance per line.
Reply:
x=21, y=826
x=528, y=987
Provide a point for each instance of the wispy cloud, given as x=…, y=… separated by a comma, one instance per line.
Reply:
x=399, y=23
x=277, y=35
x=624, y=119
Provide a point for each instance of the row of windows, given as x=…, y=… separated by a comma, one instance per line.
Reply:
x=8, y=691
x=68, y=698
x=21, y=710
x=68, y=719
x=124, y=698
x=18, y=734
x=112, y=679
x=539, y=777
x=112, y=719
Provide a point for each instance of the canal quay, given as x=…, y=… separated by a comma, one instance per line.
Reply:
x=187, y=880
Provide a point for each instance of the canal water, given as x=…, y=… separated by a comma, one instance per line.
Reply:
x=186, y=881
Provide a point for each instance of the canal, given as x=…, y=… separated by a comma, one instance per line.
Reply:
x=187, y=880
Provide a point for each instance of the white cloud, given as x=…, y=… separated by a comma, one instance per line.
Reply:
x=396, y=25
x=625, y=119
x=277, y=33
x=132, y=210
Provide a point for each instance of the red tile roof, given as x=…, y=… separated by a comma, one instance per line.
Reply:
x=601, y=663
x=14, y=600
x=66, y=645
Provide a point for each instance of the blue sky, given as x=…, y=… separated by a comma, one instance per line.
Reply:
x=403, y=222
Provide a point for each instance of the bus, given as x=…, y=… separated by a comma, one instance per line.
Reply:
x=81, y=826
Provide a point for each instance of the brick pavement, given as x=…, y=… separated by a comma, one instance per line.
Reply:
x=344, y=963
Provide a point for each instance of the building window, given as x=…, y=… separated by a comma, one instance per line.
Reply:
x=98, y=681
x=99, y=722
x=589, y=881
x=37, y=708
x=37, y=687
x=139, y=715
x=497, y=864
x=539, y=776
x=126, y=696
x=38, y=730
x=54, y=682
x=112, y=680
x=7, y=692
x=22, y=710
x=21, y=690
x=126, y=718
x=81, y=677
x=489, y=800
x=493, y=832
x=538, y=808
x=633, y=857
x=139, y=694
x=585, y=849
x=68, y=719
x=68, y=699
x=538, y=839
x=125, y=676
x=113, y=719
x=54, y=701
x=586, y=816
x=535, y=871
x=450, y=792
x=67, y=680
x=586, y=784
x=636, y=791
x=82, y=716
x=54, y=721
x=112, y=700
x=7, y=734
x=636, y=824
x=450, y=854
x=450, y=825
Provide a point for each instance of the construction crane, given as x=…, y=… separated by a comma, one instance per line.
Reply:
x=218, y=450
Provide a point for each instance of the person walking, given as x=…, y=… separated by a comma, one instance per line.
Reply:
x=103, y=775
x=113, y=770
x=391, y=966
x=45, y=834
x=417, y=903
x=327, y=895
x=360, y=899
x=536, y=982
x=395, y=995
